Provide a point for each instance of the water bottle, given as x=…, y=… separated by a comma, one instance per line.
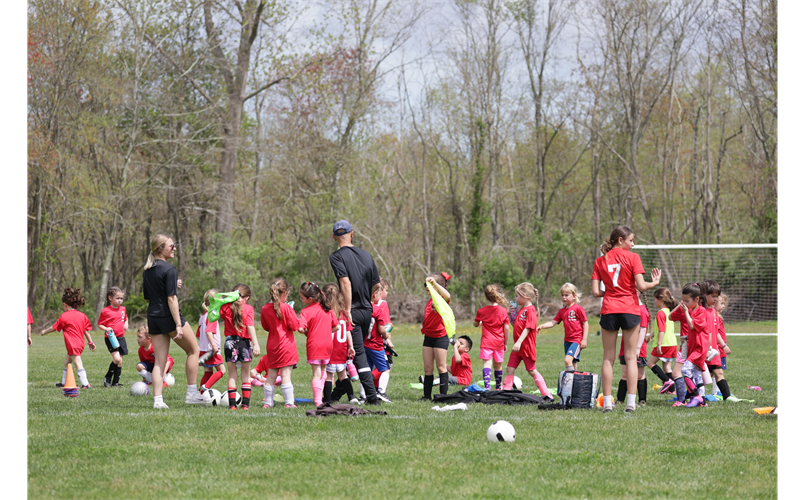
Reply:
x=753, y=388
x=112, y=338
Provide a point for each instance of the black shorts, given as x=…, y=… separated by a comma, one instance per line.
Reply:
x=237, y=349
x=619, y=321
x=149, y=366
x=718, y=366
x=641, y=362
x=163, y=325
x=437, y=343
x=123, y=349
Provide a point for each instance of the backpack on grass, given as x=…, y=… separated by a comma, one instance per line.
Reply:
x=578, y=389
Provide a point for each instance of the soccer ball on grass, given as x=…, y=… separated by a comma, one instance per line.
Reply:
x=500, y=431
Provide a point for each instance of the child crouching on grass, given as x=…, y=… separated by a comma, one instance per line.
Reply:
x=575, y=322
x=461, y=366
x=146, y=354
x=75, y=326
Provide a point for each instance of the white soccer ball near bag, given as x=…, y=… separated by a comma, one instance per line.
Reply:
x=211, y=397
x=224, y=399
x=139, y=388
x=500, y=431
x=170, y=379
x=517, y=383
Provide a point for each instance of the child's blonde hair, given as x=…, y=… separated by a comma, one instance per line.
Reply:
x=570, y=288
x=528, y=291
x=494, y=294
x=209, y=293
x=725, y=298
x=384, y=283
x=144, y=329
x=377, y=287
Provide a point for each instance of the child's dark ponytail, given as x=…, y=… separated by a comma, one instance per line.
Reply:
x=331, y=298
x=311, y=291
x=114, y=290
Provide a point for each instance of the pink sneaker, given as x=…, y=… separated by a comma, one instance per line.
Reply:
x=256, y=383
x=667, y=386
x=678, y=403
x=290, y=406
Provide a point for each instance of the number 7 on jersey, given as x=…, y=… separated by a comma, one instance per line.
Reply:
x=617, y=269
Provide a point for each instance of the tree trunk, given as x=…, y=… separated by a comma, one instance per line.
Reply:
x=107, y=268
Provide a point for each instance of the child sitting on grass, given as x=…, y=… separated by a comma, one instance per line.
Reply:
x=461, y=366
x=146, y=353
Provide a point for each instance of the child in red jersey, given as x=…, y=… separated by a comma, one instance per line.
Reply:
x=575, y=322
x=209, y=341
x=461, y=365
x=279, y=320
x=379, y=329
x=698, y=341
x=342, y=349
x=664, y=337
x=113, y=317
x=712, y=293
x=721, y=305
x=525, y=335
x=75, y=325
x=642, y=361
x=30, y=322
x=434, y=346
x=318, y=322
x=146, y=355
x=494, y=322
x=240, y=346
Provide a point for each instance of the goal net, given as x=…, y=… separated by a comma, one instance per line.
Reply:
x=746, y=273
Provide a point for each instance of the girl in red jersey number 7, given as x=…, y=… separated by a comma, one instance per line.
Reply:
x=621, y=273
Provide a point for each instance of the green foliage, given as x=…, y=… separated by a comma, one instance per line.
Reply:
x=503, y=269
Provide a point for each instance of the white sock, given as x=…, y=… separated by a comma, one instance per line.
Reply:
x=363, y=393
x=191, y=389
x=82, y=376
x=384, y=381
x=630, y=399
x=287, y=393
x=157, y=399
x=607, y=400
x=268, y=393
x=64, y=376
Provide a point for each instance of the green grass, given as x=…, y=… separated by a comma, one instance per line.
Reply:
x=108, y=444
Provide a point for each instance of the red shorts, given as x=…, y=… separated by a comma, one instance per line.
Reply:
x=668, y=351
x=515, y=358
x=216, y=360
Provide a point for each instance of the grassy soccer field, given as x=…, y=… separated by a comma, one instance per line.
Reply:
x=108, y=444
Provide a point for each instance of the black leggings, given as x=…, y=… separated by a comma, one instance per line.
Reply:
x=361, y=319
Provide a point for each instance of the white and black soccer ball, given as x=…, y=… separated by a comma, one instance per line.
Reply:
x=500, y=431
x=517, y=383
x=170, y=379
x=223, y=400
x=211, y=397
x=139, y=388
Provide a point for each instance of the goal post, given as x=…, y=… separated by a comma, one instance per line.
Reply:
x=747, y=273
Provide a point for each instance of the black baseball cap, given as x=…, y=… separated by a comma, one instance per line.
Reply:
x=341, y=228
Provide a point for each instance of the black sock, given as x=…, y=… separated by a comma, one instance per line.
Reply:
x=668, y=374
x=347, y=387
x=642, y=389
x=428, y=385
x=444, y=380
x=338, y=390
x=621, y=391
x=724, y=387
x=328, y=392
x=110, y=371
x=659, y=373
x=116, y=375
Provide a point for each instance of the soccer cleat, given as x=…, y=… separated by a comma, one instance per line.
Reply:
x=107, y=382
x=629, y=409
x=607, y=409
x=165, y=384
x=421, y=379
x=118, y=384
x=642, y=402
x=382, y=396
x=86, y=386
x=244, y=407
x=233, y=407
x=696, y=401
x=678, y=403
x=373, y=401
x=290, y=406
x=256, y=383
x=732, y=399
x=59, y=384
x=160, y=406
x=361, y=400
x=667, y=386
x=194, y=399
x=547, y=399
x=265, y=406
x=354, y=401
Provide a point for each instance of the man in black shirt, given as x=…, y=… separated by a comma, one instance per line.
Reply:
x=356, y=273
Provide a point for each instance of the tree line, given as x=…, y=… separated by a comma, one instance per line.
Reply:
x=499, y=141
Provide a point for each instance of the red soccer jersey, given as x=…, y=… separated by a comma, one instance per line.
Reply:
x=617, y=270
x=73, y=324
x=281, y=344
x=229, y=324
x=319, y=326
x=432, y=325
x=30, y=319
x=679, y=315
x=148, y=355
x=114, y=319
x=340, y=342
x=527, y=317
x=661, y=320
x=697, y=339
x=462, y=371
x=492, y=319
x=573, y=318
x=380, y=317
x=262, y=366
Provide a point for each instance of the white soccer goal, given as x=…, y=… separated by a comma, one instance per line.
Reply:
x=746, y=273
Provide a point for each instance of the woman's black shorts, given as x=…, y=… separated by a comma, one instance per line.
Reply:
x=163, y=325
x=619, y=321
